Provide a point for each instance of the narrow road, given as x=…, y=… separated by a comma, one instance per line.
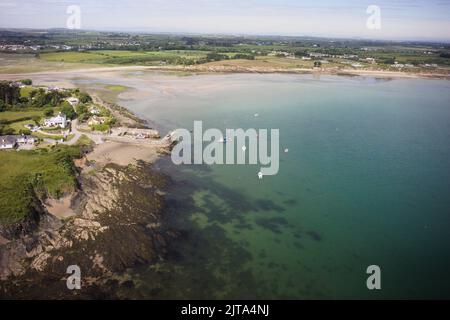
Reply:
x=101, y=138
x=75, y=132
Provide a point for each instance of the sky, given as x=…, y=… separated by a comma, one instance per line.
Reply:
x=399, y=19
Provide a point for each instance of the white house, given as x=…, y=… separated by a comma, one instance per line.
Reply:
x=318, y=55
x=23, y=139
x=52, y=88
x=59, y=121
x=94, y=110
x=96, y=120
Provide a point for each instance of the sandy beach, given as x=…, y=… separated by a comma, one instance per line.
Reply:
x=208, y=68
x=123, y=154
x=60, y=208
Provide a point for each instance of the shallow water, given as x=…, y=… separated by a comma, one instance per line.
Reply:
x=366, y=181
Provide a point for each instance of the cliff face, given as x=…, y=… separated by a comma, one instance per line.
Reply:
x=27, y=226
x=20, y=237
x=118, y=225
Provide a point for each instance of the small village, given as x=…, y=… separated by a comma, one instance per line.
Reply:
x=76, y=115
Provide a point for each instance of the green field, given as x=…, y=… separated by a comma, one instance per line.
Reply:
x=116, y=88
x=28, y=175
x=25, y=91
x=20, y=125
x=14, y=116
x=13, y=63
x=84, y=141
x=125, y=57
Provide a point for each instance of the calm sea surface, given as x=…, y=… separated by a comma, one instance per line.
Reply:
x=366, y=181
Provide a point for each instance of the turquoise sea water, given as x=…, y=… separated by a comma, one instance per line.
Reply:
x=366, y=181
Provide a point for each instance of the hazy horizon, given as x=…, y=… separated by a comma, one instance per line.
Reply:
x=400, y=20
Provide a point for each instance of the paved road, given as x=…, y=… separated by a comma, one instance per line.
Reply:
x=99, y=138
x=74, y=132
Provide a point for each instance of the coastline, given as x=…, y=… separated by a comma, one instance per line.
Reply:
x=237, y=69
x=110, y=223
x=118, y=232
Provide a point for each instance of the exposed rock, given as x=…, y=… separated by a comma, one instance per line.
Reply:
x=118, y=226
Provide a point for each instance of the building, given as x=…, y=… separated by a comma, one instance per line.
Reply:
x=318, y=55
x=8, y=142
x=73, y=101
x=96, y=120
x=59, y=121
x=12, y=141
x=23, y=139
x=32, y=127
x=94, y=110
x=52, y=88
x=281, y=54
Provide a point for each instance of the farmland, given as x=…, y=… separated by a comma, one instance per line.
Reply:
x=126, y=57
x=56, y=50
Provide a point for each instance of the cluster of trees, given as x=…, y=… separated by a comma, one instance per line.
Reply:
x=9, y=94
x=5, y=130
x=39, y=98
x=82, y=112
x=244, y=56
x=66, y=108
x=11, y=98
x=214, y=56
x=35, y=98
x=388, y=60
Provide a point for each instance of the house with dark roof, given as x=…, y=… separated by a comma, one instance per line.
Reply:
x=8, y=142
x=12, y=141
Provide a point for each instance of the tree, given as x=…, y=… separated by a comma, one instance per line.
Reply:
x=8, y=130
x=244, y=56
x=9, y=93
x=36, y=119
x=26, y=132
x=214, y=56
x=82, y=112
x=48, y=112
x=301, y=53
x=84, y=97
x=27, y=82
x=68, y=110
x=40, y=98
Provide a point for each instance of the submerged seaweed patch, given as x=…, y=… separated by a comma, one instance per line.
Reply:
x=273, y=224
x=314, y=235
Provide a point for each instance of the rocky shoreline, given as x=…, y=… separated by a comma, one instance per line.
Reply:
x=117, y=225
